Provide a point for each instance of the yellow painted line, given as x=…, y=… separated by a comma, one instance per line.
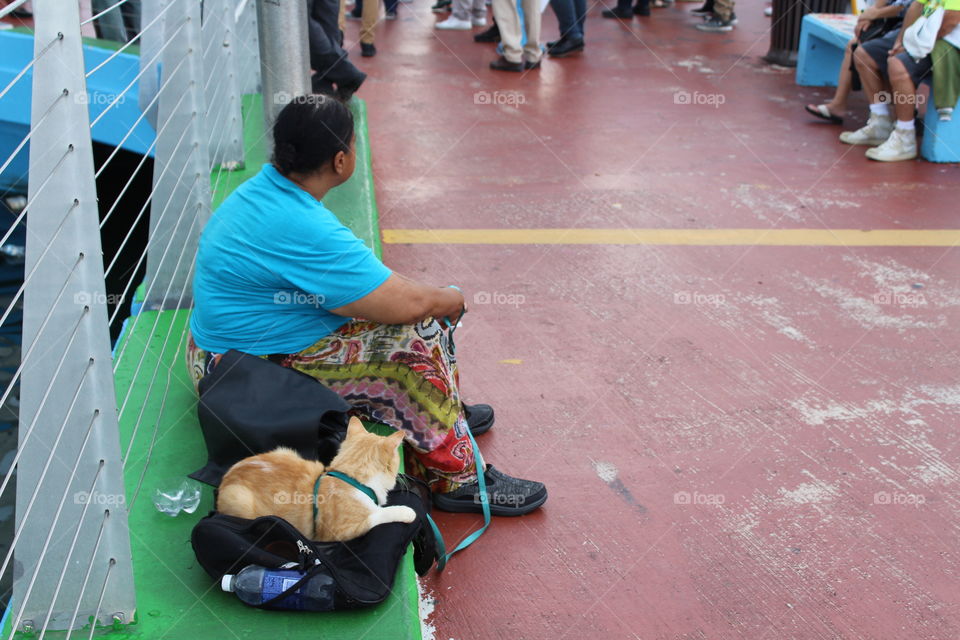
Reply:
x=511, y=361
x=702, y=237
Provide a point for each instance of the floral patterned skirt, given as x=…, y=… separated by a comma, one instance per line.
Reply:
x=404, y=376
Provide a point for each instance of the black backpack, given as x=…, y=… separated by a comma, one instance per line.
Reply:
x=249, y=405
x=363, y=569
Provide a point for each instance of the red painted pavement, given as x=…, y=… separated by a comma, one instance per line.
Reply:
x=738, y=442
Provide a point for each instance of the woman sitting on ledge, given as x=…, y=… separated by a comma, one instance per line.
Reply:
x=278, y=275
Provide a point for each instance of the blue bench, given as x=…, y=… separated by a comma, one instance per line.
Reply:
x=941, y=140
x=823, y=39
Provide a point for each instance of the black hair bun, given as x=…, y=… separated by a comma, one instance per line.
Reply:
x=285, y=157
x=309, y=132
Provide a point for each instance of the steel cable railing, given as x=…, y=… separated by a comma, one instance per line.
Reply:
x=103, y=13
x=27, y=68
x=76, y=531
x=129, y=42
x=143, y=255
x=76, y=556
x=36, y=491
x=13, y=304
x=10, y=8
x=20, y=146
x=129, y=133
x=123, y=92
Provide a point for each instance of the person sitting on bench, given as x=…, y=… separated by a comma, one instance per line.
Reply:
x=278, y=275
x=875, y=22
x=894, y=78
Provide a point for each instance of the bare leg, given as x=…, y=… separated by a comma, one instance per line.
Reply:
x=904, y=93
x=873, y=82
x=844, y=83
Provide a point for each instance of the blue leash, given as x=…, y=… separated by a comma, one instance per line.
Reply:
x=442, y=556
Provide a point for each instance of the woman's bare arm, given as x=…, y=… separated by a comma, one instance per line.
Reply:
x=400, y=300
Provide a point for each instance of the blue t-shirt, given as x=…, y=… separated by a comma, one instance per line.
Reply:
x=271, y=261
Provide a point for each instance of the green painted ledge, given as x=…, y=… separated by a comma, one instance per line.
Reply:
x=175, y=597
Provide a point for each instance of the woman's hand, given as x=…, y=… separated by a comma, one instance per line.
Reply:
x=400, y=300
x=452, y=304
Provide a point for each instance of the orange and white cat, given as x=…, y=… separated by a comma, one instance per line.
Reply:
x=280, y=483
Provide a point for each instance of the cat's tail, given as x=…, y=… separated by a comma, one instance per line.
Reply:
x=236, y=500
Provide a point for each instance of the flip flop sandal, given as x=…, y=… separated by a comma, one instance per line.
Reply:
x=821, y=111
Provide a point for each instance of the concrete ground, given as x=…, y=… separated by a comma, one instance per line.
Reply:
x=741, y=440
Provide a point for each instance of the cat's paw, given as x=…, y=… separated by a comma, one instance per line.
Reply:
x=405, y=514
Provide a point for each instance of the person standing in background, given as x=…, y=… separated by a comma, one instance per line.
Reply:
x=333, y=73
x=571, y=15
x=369, y=14
x=517, y=55
x=623, y=11
x=466, y=15
x=723, y=18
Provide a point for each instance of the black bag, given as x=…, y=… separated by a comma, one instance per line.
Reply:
x=880, y=27
x=361, y=570
x=250, y=405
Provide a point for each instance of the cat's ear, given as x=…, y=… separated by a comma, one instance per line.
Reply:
x=396, y=438
x=355, y=427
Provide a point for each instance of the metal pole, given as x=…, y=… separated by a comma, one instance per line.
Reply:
x=248, y=47
x=181, y=193
x=284, y=54
x=224, y=124
x=69, y=476
x=151, y=41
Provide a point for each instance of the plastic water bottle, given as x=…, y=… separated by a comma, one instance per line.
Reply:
x=178, y=495
x=255, y=585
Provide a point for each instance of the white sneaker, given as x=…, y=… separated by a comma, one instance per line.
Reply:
x=479, y=22
x=876, y=131
x=901, y=145
x=455, y=24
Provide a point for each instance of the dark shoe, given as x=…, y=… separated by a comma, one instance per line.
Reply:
x=490, y=35
x=479, y=418
x=716, y=25
x=391, y=15
x=565, y=47
x=616, y=13
x=507, y=496
x=705, y=10
x=529, y=66
x=502, y=64
x=442, y=5
x=322, y=86
x=345, y=90
x=354, y=15
x=367, y=50
x=642, y=9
